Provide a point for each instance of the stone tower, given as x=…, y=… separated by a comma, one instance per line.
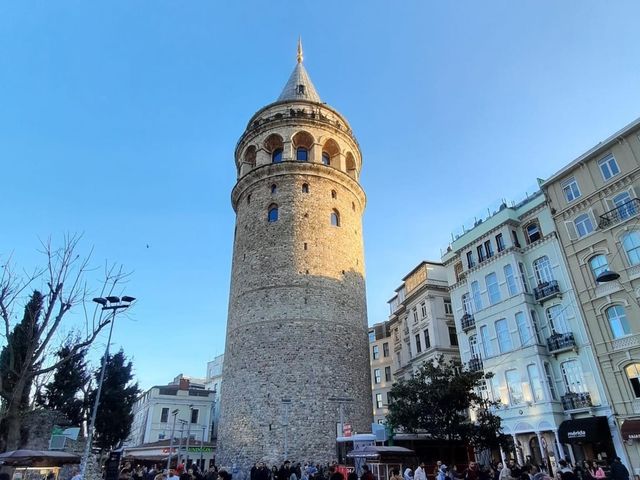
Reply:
x=297, y=344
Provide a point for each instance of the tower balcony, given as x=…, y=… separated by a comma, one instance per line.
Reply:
x=561, y=342
x=619, y=214
x=475, y=364
x=546, y=291
x=576, y=401
x=467, y=322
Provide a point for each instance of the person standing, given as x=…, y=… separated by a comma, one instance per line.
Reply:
x=420, y=473
x=618, y=470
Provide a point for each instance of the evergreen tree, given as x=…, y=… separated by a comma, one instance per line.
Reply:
x=115, y=412
x=437, y=401
x=65, y=392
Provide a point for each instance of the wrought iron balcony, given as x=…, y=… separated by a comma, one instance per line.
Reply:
x=475, y=364
x=620, y=213
x=467, y=322
x=546, y=290
x=576, y=401
x=560, y=342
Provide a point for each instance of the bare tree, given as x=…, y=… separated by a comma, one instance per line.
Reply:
x=64, y=286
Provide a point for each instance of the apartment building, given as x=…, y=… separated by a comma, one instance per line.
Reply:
x=517, y=316
x=213, y=382
x=595, y=204
x=421, y=320
x=381, y=362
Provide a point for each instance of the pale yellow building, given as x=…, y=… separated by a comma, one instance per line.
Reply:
x=595, y=205
x=381, y=360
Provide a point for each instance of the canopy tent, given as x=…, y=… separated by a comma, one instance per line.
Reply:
x=28, y=458
x=381, y=454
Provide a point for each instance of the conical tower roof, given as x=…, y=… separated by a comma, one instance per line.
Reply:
x=299, y=85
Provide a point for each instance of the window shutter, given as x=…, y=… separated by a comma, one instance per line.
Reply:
x=594, y=218
x=571, y=230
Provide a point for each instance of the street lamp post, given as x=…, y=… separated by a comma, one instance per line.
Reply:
x=202, y=450
x=114, y=304
x=173, y=431
x=182, y=422
x=188, y=434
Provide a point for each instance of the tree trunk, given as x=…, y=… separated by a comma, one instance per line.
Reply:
x=13, y=416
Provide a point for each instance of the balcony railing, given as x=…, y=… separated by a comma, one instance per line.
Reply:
x=576, y=401
x=475, y=364
x=546, y=290
x=467, y=322
x=559, y=342
x=620, y=213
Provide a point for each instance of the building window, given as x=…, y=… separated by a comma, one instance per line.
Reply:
x=631, y=244
x=378, y=400
x=334, y=194
x=249, y=199
x=536, y=326
x=194, y=415
x=466, y=304
x=584, y=225
x=399, y=359
x=608, y=167
x=477, y=299
x=618, y=321
x=272, y=215
x=557, y=319
x=418, y=345
x=514, y=386
x=375, y=352
x=504, y=337
x=427, y=339
x=480, y=250
x=414, y=312
x=473, y=346
x=542, y=269
x=488, y=249
x=524, y=331
x=598, y=264
x=500, y=242
x=161, y=436
x=376, y=376
x=486, y=342
x=385, y=349
x=550, y=381
x=532, y=232
x=470, y=263
x=423, y=309
x=274, y=188
x=302, y=154
x=633, y=374
x=387, y=374
x=572, y=376
x=326, y=159
x=523, y=277
x=164, y=415
x=305, y=188
x=536, y=385
x=453, y=337
x=624, y=206
x=448, y=309
x=335, y=218
x=514, y=235
x=570, y=189
x=493, y=290
x=372, y=336
x=276, y=155
x=512, y=287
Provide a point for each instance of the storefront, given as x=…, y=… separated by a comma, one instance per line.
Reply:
x=588, y=438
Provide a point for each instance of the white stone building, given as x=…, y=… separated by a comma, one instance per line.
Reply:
x=154, y=413
x=517, y=316
x=213, y=382
x=421, y=320
x=381, y=360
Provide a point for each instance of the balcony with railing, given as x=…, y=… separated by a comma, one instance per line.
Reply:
x=475, y=364
x=467, y=322
x=619, y=214
x=546, y=291
x=576, y=401
x=561, y=342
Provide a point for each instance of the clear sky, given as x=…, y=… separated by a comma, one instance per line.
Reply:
x=119, y=119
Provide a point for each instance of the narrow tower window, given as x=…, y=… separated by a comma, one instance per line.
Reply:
x=276, y=156
x=335, y=218
x=305, y=188
x=302, y=154
x=272, y=216
x=274, y=188
x=334, y=194
x=249, y=199
x=326, y=159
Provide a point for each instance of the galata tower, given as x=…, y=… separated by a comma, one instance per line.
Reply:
x=296, y=353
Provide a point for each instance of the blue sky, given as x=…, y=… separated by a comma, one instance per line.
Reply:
x=119, y=120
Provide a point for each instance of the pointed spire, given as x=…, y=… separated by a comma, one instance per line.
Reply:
x=300, y=56
x=299, y=85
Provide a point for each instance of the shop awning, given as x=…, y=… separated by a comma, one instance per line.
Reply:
x=630, y=430
x=584, y=430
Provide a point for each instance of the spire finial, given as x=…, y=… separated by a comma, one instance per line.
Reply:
x=300, y=57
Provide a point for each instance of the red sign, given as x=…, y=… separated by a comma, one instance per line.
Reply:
x=346, y=430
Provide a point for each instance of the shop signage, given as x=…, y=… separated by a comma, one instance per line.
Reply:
x=191, y=450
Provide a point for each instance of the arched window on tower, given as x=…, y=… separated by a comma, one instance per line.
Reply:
x=335, y=218
x=326, y=159
x=274, y=145
x=274, y=188
x=272, y=216
x=305, y=188
x=276, y=156
x=334, y=194
x=302, y=154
